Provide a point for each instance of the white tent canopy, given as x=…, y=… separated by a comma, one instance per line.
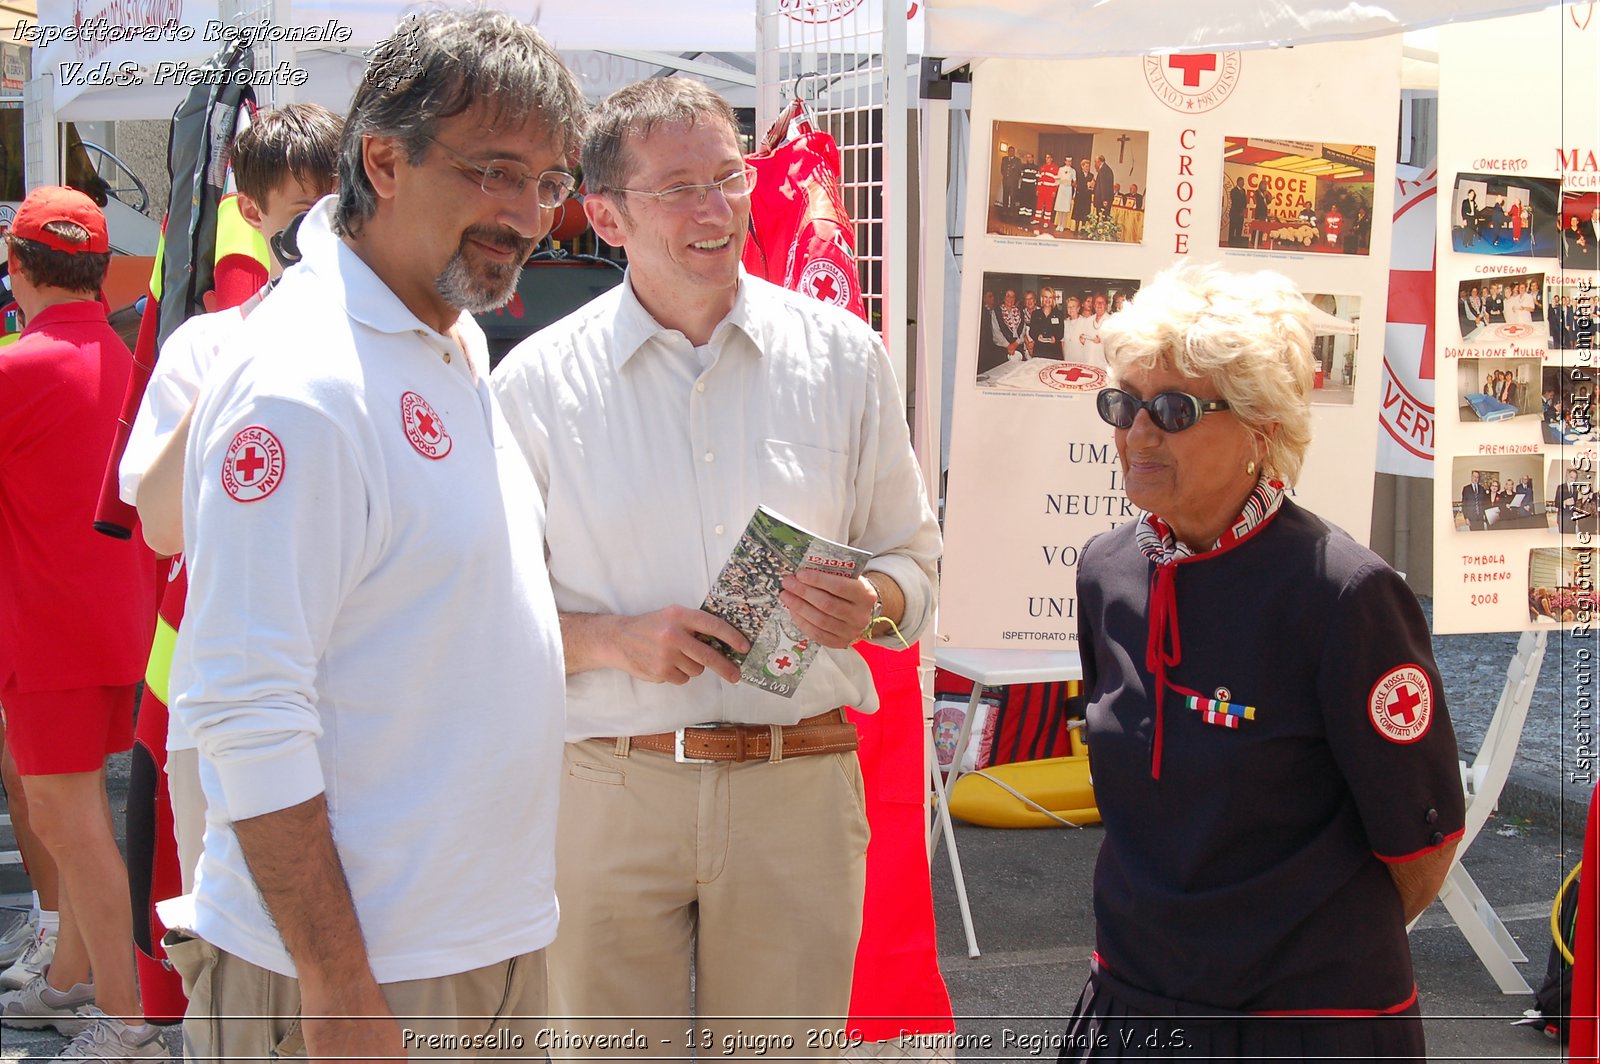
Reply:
x=1078, y=29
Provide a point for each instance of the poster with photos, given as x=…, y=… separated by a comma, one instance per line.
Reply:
x=1498, y=391
x=1056, y=182
x=1012, y=541
x=1498, y=214
x=1566, y=405
x=1514, y=182
x=1503, y=309
x=1501, y=493
x=1570, y=314
x=1580, y=221
x=1561, y=583
x=1042, y=333
x=1336, y=329
x=1297, y=196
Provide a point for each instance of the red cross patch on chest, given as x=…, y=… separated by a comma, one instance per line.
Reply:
x=1401, y=704
x=423, y=427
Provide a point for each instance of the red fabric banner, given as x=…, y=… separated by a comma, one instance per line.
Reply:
x=800, y=234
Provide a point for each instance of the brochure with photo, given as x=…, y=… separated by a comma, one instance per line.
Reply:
x=745, y=595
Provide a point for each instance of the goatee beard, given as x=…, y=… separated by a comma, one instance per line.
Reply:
x=493, y=283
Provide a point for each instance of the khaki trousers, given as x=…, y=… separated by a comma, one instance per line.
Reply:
x=749, y=876
x=238, y=1011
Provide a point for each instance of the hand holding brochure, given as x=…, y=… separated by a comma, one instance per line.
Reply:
x=746, y=596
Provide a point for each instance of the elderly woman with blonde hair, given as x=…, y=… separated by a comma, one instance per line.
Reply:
x=1267, y=729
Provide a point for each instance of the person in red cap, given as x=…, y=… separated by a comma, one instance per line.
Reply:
x=76, y=612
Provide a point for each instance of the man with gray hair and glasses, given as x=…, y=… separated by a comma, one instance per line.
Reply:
x=371, y=660
x=656, y=419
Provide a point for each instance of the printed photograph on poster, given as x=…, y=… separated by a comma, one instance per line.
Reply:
x=1041, y=332
x=1569, y=314
x=1068, y=182
x=1561, y=584
x=1337, y=324
x=1509, y=309
x=1573, y=498
x=1492, y=214
x=1566, y=405
x=1298, y=196
x=1499, y=493
x=1498, y=389
x=1580, y=225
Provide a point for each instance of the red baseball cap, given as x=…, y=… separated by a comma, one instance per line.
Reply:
x=55, y=203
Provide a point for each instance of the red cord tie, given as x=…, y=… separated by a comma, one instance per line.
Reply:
x=1163, y=648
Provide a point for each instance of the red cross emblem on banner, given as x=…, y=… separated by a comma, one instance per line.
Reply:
x=1411, y=303
x=1192, y=66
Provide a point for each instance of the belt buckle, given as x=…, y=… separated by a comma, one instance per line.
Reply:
x=677, y=745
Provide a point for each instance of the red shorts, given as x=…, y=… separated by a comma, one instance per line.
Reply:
x=52, y=733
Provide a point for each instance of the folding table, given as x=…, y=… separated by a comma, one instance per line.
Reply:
x=985, y=668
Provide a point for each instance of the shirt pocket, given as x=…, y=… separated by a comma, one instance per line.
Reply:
x=809, y=485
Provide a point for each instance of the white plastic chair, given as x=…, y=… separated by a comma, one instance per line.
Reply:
x=1483, y=780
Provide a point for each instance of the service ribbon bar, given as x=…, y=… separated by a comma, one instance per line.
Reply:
x=1224, y=714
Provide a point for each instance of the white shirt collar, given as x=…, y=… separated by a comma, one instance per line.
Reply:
x=635, y=326
x=361, y=292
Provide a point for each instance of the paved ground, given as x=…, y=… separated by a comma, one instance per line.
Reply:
x=1554, y=762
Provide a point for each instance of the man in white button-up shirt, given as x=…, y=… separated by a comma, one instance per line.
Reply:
x=371, y=662
x=656, y=419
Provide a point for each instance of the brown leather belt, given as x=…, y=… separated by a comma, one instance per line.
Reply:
x=825, y=733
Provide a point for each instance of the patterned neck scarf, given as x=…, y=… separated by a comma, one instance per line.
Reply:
x=1160, y=544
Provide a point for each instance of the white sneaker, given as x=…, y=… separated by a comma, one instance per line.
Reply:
x=32, y=963
x=18, y=937
x=40, y=1005
x=108, y=1038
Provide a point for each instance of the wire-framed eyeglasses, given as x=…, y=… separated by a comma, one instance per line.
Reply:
x=1171, y=411
x=505, y=180
x=736, y=185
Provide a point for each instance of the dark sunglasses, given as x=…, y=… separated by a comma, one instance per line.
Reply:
x=1171, y=411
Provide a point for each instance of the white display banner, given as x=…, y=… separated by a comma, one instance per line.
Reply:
x=1139, y=149
x=1406, y=416
x=1518, y=208
x=1064, y=29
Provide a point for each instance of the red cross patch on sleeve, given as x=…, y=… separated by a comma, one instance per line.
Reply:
x=253, y=466
x=1401, y=704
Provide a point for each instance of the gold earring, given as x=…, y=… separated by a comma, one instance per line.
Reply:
x=1250, y=468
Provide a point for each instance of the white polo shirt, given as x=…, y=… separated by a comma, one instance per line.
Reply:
x=370, y=619
x=653, y=455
